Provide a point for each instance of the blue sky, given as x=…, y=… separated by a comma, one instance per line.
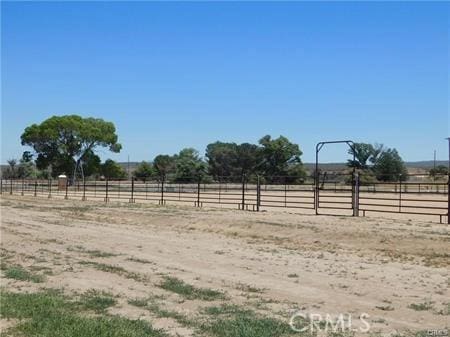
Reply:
x=174, y=75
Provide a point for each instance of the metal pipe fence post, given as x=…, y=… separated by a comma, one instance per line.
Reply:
x=356, y=201
x=243, y=192
x=11, y=187
x=198, y=194
x=35, y=188
x=23, y=191
x=50, y=188
x=258, y=193
x=84, y=189
x=285, y=193
x=162, y=192
x=400, y=194
x=67, y=189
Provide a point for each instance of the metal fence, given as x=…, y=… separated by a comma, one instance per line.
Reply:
x=332, y=194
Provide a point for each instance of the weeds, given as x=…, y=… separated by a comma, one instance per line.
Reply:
x=188, y=291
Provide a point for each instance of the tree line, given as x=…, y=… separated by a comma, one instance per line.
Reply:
x=69, y=145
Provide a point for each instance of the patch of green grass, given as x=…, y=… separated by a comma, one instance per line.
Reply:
x=97, y=301
x=421, y=306
x=189, y=291
x=151, y=305
x=28, y=305
x=226, y=309
x=50, y=314
x=21, y=274
x=247, y=324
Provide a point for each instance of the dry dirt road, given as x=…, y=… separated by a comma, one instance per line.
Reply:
x=396, y=271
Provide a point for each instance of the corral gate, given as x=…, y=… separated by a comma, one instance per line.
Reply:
x=335, y=193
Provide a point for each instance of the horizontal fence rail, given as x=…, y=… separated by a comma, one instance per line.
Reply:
x=342, y=195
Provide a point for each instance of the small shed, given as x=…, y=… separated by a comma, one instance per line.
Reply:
x=62, y=182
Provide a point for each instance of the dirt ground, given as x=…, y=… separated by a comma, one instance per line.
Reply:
x=395, y=270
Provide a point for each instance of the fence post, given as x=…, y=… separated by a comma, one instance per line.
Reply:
x=106, y=191
x=132, y=191
x=356, y=200
x=50, y=188
x=67, y=189
x=258, y=193
x=35, y=188
x=23, y=183
x=84, y=189
x=11, y=187
x=243, y=191
x=400, y=194
x=162, y=192
x=198, y=193
x=316, y=191
x=285, y=192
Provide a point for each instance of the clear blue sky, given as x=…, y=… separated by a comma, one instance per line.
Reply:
x=174, y=75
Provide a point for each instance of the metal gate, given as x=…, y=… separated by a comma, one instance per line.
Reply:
x=336, y=194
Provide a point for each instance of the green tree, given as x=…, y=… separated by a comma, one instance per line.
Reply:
x=112, y=170
x=144, y=171
x=390, y=167
x=248, y=158
x=189, y=167
x=221, y=158
x=163, y=164
x=26, y=168
x=277, y=156
x=62, y=141
x=91, y=164
x=363, y=155
x=440, y=171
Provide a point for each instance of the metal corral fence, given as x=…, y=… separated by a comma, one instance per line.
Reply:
x=333, y=194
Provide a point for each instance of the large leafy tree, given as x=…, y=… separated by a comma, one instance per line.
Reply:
x=163, y=165
x=63, y=142
x=144, y=171
x=248, y=157
x=221, y=158
x=390, y=166
x=112, y=170
x=278, y=155
x=365, y=155
x=189, y=167
x=440, y=171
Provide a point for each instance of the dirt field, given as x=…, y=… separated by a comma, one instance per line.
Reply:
x=167, y=264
